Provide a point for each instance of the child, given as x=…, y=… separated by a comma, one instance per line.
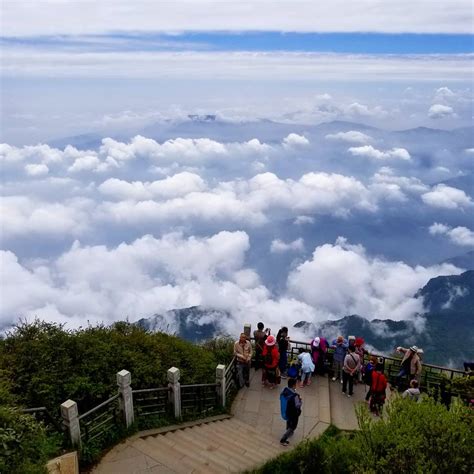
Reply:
x=307, y=367
x=413, y=392
x=290, y=404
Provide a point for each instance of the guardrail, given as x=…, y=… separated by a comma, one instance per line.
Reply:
x=231, y=386
x=151, y=401
x=100, y=420
x=43, y=414
x=198, y=399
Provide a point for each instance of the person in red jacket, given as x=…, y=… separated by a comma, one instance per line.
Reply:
x=271, y=357
x=377, y=389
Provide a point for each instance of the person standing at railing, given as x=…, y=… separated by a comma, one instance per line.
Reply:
x=259, y=335
x=283, y=342
x=350, y=369
x=378, y=389
x=410, y=365
x=319, y=347
x=271, y=357
x=243, y=354
x=340, y=346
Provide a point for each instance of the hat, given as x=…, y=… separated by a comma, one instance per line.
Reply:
x=316, y=341
x=270, y=341
x=414, y=349
x=359, y=341
x=351, y=338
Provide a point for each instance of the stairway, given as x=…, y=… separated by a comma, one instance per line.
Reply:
x=227, y=445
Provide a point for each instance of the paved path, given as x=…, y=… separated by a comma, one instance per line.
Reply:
x=259, y=407
x=232, y=444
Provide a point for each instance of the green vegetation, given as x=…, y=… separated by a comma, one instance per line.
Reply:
x=411, y=438
x=43, y=364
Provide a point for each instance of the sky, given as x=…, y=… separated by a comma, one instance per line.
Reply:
x=279, y=160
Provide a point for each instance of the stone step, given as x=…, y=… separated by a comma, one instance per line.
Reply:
x=244, y=447
x=195, y=442
x=195, y=457
x=248, y=430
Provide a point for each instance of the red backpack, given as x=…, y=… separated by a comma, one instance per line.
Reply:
x=379, y=382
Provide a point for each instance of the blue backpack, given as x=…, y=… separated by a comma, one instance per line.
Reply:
x=284, y=402
x=293, y=372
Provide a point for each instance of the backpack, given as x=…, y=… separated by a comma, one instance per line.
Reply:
x=293, y=372
x=284, y=402
x=379, y=382
x=268, y=358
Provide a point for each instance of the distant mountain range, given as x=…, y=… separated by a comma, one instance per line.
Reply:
x=445, y=331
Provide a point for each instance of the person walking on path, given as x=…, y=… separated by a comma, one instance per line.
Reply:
x=259, y=335
x=351, y=367
x=243, y=353
x=340, y=350
x=283, y=342
x=378, y=389
x=290, y=403
x=307, y=367
x=410, y=365
x=271, y=357
x=319, y=347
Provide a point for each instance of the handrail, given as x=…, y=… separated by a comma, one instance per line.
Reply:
x=33, y=410
x=230, y=366
x=200, y=385
x=147, y=390
x=111, y=399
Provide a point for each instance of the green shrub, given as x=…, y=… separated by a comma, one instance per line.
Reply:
x=25, y=446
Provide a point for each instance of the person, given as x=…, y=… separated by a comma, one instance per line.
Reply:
x=351, y=341
x=307, y=367
x=378, y=389
x=243, y=353
x=367, y=375
x=290, y=403
x=259, y=336
x=283, y=347
x=319, y=347
x=351, y=367
x=340, y=350
x=271, y=357
x=413, y=393
x=410, y=365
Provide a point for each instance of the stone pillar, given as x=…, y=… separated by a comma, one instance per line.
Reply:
x=220, y=381
x=70, y=418
x=175, y=386
x=124, y=379
x=247, y=330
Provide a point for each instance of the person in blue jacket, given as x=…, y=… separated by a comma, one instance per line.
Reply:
x=291, y=404
x=340, y=346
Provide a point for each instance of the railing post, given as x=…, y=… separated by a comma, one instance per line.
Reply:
x=124, y=379
x=247, y=330
x=175, y=386
x=69, y=414
x=221, y=383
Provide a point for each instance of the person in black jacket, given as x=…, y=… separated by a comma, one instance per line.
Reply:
x=292, y=412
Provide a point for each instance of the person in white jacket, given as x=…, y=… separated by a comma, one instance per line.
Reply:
x=307, y=367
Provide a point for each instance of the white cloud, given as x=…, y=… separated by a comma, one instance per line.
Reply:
x=351, y=136
x=459, y=235
x=301, y=220
x=370, y=152
x=438, y=111
x=278, y=246
x=361, y=110
x=293, y=140
x=36, y=170
x=342, y=279
x=23, y=18
x=447, y=197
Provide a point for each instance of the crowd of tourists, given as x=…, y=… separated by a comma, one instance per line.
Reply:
x=347, y=360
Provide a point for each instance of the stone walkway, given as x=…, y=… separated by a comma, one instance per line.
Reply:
x=214, y=445
x=259, y=407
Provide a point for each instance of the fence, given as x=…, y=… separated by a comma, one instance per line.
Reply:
x=121, y=411
x=43, y=414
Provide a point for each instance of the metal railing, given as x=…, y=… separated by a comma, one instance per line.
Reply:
x=231, y=386
x=151, y=401
x=199, y=398
x=42, y=414
x=99, y=421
